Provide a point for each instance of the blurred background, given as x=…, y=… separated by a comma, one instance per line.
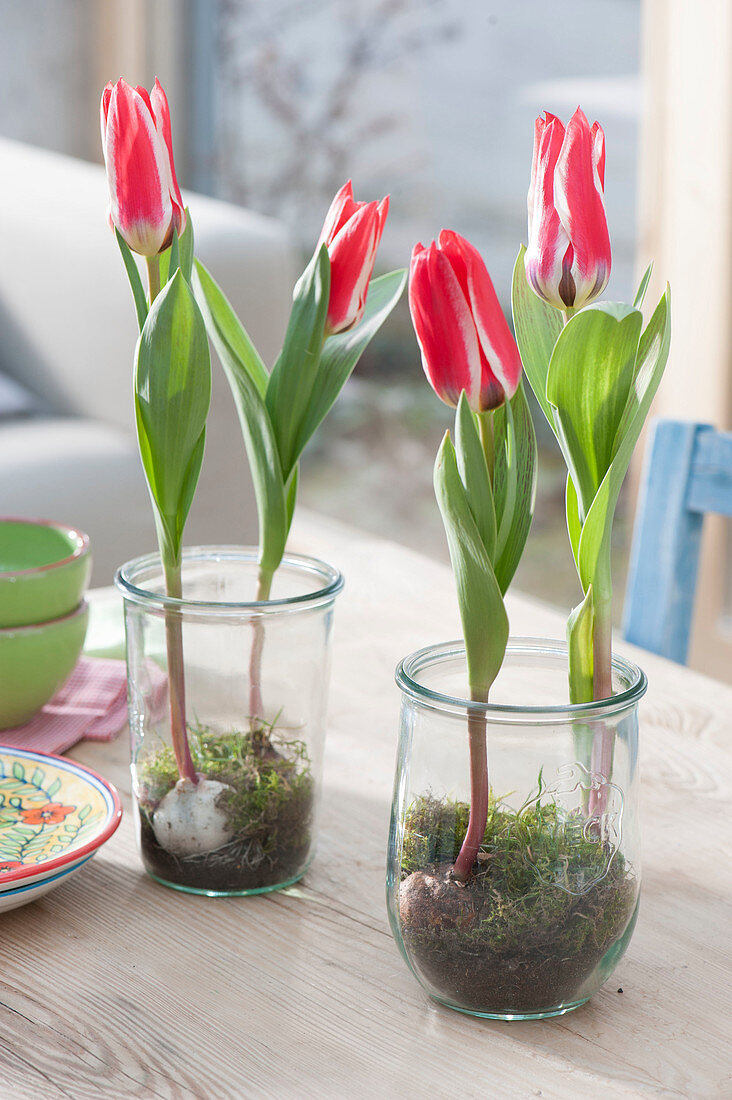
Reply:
x=275, y=104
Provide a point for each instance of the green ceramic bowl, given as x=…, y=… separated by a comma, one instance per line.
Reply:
x=44, y=569
x=35, y=661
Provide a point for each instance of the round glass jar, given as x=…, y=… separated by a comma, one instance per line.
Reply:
x=251, y=695
x=551, y=900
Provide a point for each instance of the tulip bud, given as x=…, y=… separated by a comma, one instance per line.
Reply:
x=463, y=335
x=568, y=258
x=352, y=232
x=145, y=200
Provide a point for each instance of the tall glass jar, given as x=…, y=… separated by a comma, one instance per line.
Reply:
x=251, y=695
x=551, y=901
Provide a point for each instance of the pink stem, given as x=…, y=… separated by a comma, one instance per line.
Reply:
x=176, y=677
x=478, y=794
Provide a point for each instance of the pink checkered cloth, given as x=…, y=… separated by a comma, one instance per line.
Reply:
x=92, y=704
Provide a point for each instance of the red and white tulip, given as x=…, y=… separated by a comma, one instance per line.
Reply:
x=145, y=200
x=463, y=335
x=568, y=258
x=352, y=232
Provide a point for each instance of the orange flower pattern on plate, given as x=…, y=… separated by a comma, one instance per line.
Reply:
x=50, y=814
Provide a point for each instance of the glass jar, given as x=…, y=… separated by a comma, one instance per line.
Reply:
x=551, y=899
x=251, y=695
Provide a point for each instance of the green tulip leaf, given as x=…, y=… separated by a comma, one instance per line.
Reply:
x=186, y=247
x=342, y=351
x=225, y=328
x=574, y=526
x=514, y=483
x=473, y=470
x=169, y=260
x=293, y=376
x=482, y=611
x=588, y=383
x=135, y=279
x=291, y=495
x=594, y=545
x=537, y=326
x=640, y=294
x=247, y=378
x=580, y=652
x=172, y=396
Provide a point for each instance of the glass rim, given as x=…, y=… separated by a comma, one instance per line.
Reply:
x=423, y=658
x=331, y=577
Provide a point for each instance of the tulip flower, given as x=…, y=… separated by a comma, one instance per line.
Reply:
x=464, y=338
x=145, y=200
x=568, y=258
x=352, y=232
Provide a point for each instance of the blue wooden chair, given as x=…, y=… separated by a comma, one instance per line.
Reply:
x=688, y=472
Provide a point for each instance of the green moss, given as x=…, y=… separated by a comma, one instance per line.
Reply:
x=545, y=901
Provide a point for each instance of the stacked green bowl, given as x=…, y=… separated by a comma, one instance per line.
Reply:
x=44, y=571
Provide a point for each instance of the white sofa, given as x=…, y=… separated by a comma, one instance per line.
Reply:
x=67, y=334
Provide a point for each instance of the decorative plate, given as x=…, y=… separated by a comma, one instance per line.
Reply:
x=54, y=814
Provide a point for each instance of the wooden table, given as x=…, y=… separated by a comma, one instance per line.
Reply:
x=113, y=986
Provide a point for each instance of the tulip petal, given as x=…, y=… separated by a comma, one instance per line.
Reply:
x=444, y=327
x=382, y=210
x=548, y=238
x=161, y=113
x=137, y=171
x=580, y=204
x=598, y=152
x=501, y=364
x=497, y=342
x=340, y=210
x=145, y=96
x=352, y=255
x=104, y=109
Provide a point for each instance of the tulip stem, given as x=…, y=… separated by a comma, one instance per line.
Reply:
x=264, y=587
x=153, y=277
x=485, y=428
x=603, y=742
x=479, y=791
x=176, y=673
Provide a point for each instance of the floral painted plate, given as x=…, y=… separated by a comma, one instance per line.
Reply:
x=54, y=814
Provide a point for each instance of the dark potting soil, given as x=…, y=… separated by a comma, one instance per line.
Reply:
x=510, y=940
x=239, y=865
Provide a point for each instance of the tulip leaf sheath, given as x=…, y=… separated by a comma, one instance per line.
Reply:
x=486, y=524
x=579, y=649
x=514, y=483
x=474, y=475
x=172, y=396
x=482, y=611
